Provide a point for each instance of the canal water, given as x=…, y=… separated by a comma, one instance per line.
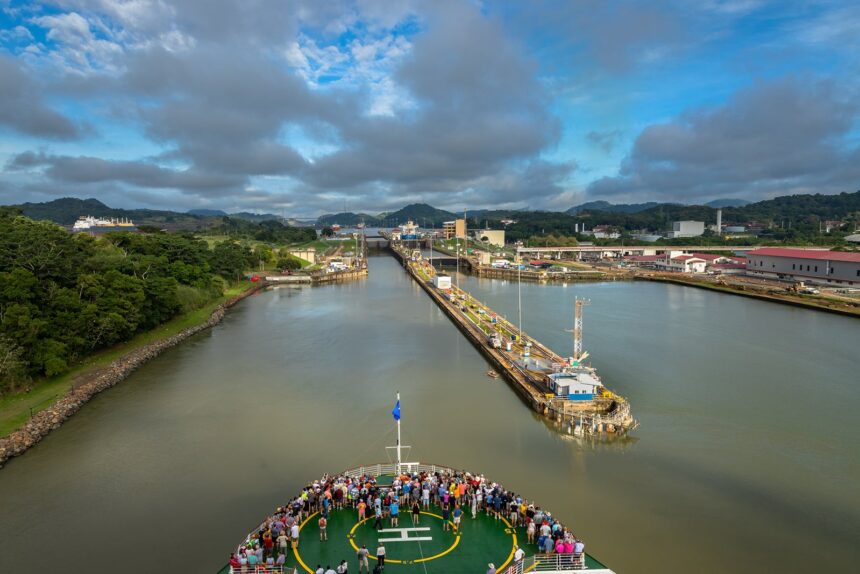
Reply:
x=746, y=460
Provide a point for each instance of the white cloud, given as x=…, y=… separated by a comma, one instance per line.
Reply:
x=79, y=50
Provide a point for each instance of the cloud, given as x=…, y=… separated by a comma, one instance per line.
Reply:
x=605, y=140
x=22, y=107
x=779, y=136
x=600, y=35
x=92, y=170
x=479, y=107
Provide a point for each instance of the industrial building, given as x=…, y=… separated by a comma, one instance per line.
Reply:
x=682, y=263
x=492, y=236
x=687, y=229
x=810, y=265
x=456, y=228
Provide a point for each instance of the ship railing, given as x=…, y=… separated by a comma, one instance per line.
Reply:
x=548, y=563
x=259, y=570
x=391, y=468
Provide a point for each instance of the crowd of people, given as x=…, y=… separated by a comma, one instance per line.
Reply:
x=456, y=493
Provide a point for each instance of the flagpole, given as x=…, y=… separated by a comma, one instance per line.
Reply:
x=398, y=437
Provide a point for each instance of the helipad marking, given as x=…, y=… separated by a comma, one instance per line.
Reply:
x=404, y=534
x=351, y=539
x=513, y=546
x=296, y=550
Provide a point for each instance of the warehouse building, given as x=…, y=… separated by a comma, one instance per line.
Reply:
x=687, y=229
x=492, y=236
x=813, y=266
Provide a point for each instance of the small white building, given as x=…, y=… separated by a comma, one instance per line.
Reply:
x=442, y=281
x=578, y=385
x=682, y=263
x=687, y=229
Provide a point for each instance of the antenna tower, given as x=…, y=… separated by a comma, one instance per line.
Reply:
x=578, y=355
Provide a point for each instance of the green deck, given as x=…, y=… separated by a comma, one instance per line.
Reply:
x=481, y=540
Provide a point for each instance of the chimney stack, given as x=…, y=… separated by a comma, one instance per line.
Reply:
x=719, y=222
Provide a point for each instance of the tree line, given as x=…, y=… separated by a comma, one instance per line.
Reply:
x=65, y=296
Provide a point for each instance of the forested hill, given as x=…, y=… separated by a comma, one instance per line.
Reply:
x=67, y=210
x=420, y=213
x=64, y=296
x=794, y=209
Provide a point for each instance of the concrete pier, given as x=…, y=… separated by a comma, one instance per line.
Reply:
x=608, y=413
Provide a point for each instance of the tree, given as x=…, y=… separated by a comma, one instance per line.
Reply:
x=13, y=367
x=288, y=262
x=327, y=232
x=263, y=253
x=230, y=259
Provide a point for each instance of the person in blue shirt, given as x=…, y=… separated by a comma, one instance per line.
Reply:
x=458, y=512
x=394, y=509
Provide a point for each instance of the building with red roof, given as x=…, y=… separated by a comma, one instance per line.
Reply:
x=811, y=265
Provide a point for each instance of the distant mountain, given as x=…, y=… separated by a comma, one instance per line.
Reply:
x=348, y=219
x=420, y=213
x=206, y=212
x=255, y=217
x=67, y=210
x=728, y=203
x=612, y=207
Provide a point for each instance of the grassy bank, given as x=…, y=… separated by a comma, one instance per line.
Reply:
x=17, y=408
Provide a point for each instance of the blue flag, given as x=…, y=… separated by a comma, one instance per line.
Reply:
x=396, y=412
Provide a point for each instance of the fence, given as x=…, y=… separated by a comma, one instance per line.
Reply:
x=548, y=563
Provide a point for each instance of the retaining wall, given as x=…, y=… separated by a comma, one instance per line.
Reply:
x=43, y=422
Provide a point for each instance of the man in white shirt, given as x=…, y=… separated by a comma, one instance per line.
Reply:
x=519, y=556
x=380, y=554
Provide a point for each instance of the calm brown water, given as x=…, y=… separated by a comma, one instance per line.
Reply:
x=746, y=461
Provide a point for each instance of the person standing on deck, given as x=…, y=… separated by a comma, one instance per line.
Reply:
x=425, y=495
x=378, y=524
x=458, y=513
x=519, y=556
x=395, y=511
x=294, y=535
x=404, y=492
x=362, y=508
x=380, y=555
x=416, y=513
x=474, y=505
x=323, y=523
x=578, y=549
x=362, y=559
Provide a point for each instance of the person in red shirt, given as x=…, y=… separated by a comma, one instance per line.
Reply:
x=268, y=543
x=323, y=523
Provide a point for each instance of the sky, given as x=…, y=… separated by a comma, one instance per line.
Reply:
x=305, y=107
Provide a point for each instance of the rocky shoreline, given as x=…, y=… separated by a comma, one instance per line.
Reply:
x=47, y=420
